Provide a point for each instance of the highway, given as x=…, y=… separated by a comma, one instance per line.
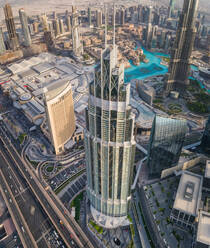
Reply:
x=18, y=220
x=34, y=222
x=66, y=226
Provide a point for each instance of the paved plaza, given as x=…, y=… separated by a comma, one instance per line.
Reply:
x=160, y=197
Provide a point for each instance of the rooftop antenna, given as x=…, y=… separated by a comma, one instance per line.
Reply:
x=114, y=45
x=105, y=26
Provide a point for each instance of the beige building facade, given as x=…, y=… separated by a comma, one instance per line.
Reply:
x=60, y=114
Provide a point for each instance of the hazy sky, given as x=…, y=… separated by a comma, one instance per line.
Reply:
x=41, y=6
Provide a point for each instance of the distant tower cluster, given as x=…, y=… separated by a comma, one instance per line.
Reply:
x=25, y=29
x=109, y=143
x=166, y=141
x=179, y=68
x=13, y=38
x=77, y=45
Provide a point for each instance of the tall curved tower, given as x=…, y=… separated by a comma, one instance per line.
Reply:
x=179, y=68
x=25, y=30
x=77, y=45
x=109, y=143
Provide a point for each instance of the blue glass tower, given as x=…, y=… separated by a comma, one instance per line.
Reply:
x=205, y=142
x=166, y=141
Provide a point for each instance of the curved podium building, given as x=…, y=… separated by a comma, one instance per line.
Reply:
x=109, y=143
x=60, y=113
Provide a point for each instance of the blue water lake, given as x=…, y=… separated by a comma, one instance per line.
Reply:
x=152, y=68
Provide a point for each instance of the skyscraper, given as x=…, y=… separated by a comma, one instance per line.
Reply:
x=89, y=17
x=61, y=26
x=60, y=113
x=179, y=68
x=109, y=143
x=25, y=29
x=44, y=22
x=166, y=141
x=122, y=17
x=205, y=142
x=2, y=45
x=98, y=18
x=171, y=8
x=13, y=39
x=56, y=27
x=77, y=45
x=68, y=23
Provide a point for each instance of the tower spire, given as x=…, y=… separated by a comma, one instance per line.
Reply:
x=105, y=26
x=114, y=25
x=114, y=45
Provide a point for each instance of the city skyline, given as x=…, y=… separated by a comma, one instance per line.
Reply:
x=97, y=148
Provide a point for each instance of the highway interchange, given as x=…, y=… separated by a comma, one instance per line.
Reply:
x=46, y=202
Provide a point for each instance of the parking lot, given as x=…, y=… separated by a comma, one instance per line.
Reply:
x=72, y=189
x=67, y=173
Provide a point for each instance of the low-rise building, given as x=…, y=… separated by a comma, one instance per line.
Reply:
x=187, y=201
x=203, y=232
x=147, y=93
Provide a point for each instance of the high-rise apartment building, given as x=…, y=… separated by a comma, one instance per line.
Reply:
x=89, y=17
x=109, y=143
x=60, y=113
x=205, y=142
x=61, y=26
x=56, y=27
x=122, y=17
x=2, y=45
x=98, y=18
x=171, y=8
x=166, y=141
x=68, y=23
x=44, y=20
x=77, y=45
x=179, y=68
x=25, y=29
x=13, y=38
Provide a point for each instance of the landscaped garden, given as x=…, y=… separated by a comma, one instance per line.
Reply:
x=76, y=203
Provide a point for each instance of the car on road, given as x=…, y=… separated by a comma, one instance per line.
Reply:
x=117, y=241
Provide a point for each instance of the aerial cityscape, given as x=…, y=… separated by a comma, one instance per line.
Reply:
x=105, y=124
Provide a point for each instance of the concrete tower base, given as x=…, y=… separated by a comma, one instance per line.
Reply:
x=109, y=222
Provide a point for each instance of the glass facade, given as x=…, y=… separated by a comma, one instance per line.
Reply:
x=166, y=141
x=109, y=139
x=205, y=142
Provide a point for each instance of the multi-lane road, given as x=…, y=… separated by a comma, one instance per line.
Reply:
x=66, y=226
x=25, y=211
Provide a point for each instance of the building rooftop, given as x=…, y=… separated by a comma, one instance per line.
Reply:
x=207, y=171
x=203, y=233
x=189, y=193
